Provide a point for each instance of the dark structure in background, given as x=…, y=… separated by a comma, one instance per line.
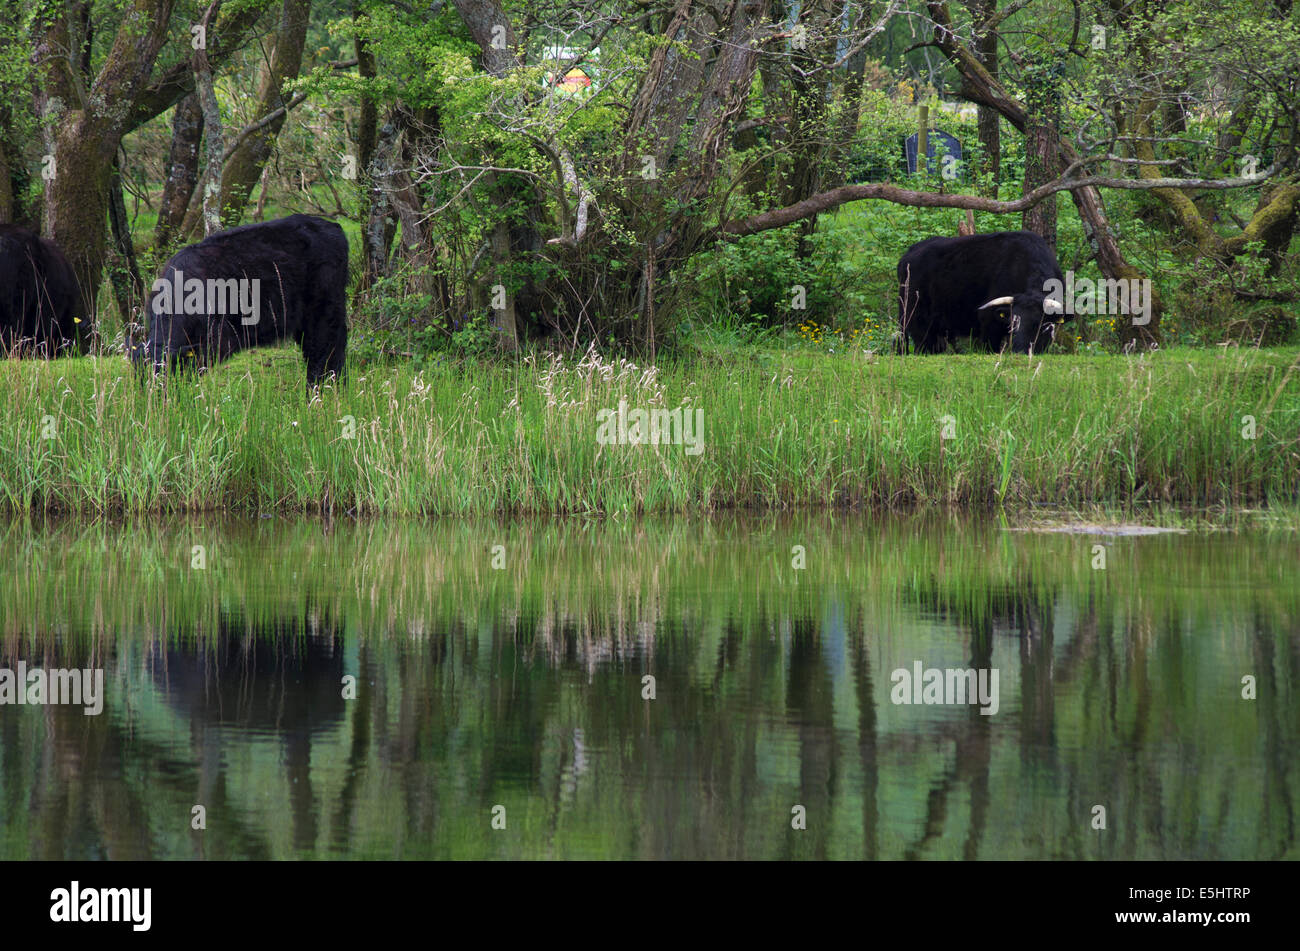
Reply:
x=943, y=156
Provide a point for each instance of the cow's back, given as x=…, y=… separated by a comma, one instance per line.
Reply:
x=305, y=243
x=300, y=263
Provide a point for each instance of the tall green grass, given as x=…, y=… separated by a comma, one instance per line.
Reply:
x=781, y=430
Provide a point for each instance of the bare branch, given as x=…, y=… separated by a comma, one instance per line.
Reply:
x=830, y=200
x=266, y=120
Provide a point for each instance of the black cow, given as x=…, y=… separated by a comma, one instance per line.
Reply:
x=249, y=287
x=992, y=286
x=40, y=300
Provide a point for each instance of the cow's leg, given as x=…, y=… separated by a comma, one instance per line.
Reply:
x=317, y=365
x=927, y=342
x=325, y=345
x=337, y=359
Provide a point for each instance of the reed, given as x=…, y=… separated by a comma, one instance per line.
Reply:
x=781, y=430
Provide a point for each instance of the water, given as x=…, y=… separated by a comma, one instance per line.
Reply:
x=226, y=648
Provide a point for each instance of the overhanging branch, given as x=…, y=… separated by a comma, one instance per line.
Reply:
x=832, y=199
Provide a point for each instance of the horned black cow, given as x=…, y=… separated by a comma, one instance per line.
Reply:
x=249, y=287
x=40, y=300
x=990, y=286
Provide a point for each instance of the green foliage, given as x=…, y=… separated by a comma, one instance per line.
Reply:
x=487, y=152
x=476, y=336
x=391, y=321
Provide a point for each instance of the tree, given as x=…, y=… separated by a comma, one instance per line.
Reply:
x=1255, y=49
x=582, y=215
x=244, y=166
x=85, y=122
x=87, y=111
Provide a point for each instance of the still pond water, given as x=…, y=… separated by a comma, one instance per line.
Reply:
x=384, y=690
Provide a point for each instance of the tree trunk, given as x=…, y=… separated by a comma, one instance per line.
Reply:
x=378, y=235
x=182, y=172
x=368, y=118
x=487, y=22
x=244, y=166
x=989, y=126
x=87, y=122
x=505, y=319
x=128, y=286
x=1043, y=105
x=1234, y=131
x=988, y=122
x=207, y=96
x=76, y=207
x=377, y=238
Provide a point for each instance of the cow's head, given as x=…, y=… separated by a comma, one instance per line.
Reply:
x=1030, y=320
x=174, y=341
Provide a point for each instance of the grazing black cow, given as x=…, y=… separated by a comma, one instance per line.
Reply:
x=249, y=287
x=40, y=300
x=991, y=286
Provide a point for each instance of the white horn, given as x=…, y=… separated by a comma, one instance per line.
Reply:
x=1052, y=306
x=996, y=302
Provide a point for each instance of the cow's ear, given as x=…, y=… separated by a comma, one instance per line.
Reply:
x=996, y=302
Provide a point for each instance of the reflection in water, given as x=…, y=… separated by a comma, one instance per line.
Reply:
x=1004, y=617
x=282, y=678
x=649, y=692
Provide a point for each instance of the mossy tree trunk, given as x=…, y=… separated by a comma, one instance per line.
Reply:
x=88, y=120
x=988, y=122
x=243, y=168
x=1043, y=106
x=182, y=171
x=88, y=112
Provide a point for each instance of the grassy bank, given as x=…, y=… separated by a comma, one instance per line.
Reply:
x=781, y=429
